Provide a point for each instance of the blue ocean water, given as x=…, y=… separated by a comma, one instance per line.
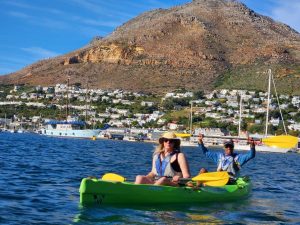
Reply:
x=40, y=177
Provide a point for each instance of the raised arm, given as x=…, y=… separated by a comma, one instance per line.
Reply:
x=245, y=157
x=214, y=156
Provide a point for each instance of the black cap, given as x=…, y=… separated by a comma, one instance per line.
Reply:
x=229, y=144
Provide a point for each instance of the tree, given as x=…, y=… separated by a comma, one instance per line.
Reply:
x=256, y=128
x=77, y=84
x=297, y=117
x=198, y=95
x=275, y=114
x=134, y=123
x=168, y=104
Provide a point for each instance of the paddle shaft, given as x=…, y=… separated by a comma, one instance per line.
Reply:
x=281, y=141
x=157, y=178
x=231, y=137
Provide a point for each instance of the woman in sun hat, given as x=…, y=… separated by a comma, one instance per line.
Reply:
x=229, y=160
x=168, y=164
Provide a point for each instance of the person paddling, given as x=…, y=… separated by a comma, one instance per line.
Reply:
x=229, y=160
x=168, y=164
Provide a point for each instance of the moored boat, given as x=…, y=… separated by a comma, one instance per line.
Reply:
x=68, y=129
x=261, y=148
x=97, y=191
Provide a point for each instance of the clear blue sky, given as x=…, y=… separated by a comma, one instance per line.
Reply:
x=37, y=29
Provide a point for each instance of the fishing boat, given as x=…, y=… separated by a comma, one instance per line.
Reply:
x=73, y=129
x=103, y=192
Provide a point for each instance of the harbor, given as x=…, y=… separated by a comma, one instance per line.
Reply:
x=77, y=114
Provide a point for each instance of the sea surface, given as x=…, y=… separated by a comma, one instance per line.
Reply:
x=40, y=177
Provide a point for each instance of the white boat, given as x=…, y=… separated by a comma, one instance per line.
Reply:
x=261, y=147
x=74, y=129
x=186, y=140
x=129, y=138
x=188, y=143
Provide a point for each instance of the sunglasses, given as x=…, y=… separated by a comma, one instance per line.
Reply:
x=228, y=146
x=168, y=140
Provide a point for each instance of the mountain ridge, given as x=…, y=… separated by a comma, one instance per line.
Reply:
x=202, y=45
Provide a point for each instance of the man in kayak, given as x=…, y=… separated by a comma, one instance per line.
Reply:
x=229, y=160
x=168, y=164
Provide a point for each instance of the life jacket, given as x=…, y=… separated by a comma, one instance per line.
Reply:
x=164, y=167
x=229, y=163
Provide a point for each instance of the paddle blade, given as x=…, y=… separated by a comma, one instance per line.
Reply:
x=113, y=177
x=218, y=183
x=213, y=178
x=182, y=135
x=281, y=141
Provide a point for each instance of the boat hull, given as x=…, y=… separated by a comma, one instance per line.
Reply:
x=71, y=133
x=262, y=148
x=99, y=192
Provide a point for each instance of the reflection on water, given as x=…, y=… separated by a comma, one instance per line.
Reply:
x=204, y=219
x=40, y=177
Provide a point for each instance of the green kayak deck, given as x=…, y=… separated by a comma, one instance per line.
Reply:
x=97, y=191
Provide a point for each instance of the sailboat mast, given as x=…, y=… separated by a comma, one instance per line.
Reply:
x=67, y=108
x=86, y=106
x=86, y=96
x=240, y=115
x=191, y=117
x=268, y=102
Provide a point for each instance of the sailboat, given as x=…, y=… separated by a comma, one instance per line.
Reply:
x=69, y=127
x=186, y=138
x=260, y=147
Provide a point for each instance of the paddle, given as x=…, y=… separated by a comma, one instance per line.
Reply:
x=280, y=141
x=215, y=179
x=183, y=135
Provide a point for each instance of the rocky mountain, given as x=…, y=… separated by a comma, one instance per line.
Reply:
x=200, y=45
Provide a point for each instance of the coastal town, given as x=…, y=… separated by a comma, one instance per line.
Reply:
x=219, y=112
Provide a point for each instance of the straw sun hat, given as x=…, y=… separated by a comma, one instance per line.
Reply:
x=171, y=136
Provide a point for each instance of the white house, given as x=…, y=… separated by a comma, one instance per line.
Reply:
x=170, y=95
x=274, y=121
x=104, y=115
x=116, y=101
x=295, y=126
x=175, y=126
x=296, y=100
x=105, y=98
x=123, y=112
x=115, y=116
x=126, y=102
x=213, y=115
x=144, y=103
